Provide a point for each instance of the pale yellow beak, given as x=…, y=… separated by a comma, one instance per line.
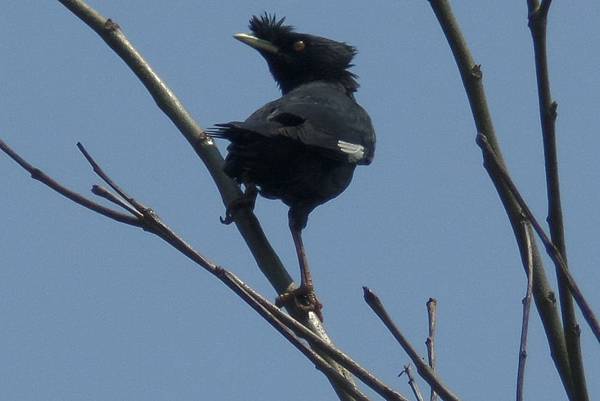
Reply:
x=256, y=43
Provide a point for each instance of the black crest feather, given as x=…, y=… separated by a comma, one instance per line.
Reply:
x=321, y=60
x=268, y=27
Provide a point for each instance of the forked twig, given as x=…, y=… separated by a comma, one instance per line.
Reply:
x=100, y=173
x=424, y=370
x=109, y=196
x=39, y=175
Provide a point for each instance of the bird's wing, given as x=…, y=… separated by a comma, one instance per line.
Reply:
x=317, y=116
x=327, y=119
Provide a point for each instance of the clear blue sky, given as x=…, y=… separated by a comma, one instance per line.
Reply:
x=94, y=310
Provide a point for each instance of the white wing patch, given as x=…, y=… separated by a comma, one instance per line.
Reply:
x=355, y=152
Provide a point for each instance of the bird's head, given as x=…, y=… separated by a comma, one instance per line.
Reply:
x=297, y=58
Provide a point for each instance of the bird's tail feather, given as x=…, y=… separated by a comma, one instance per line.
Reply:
x=220, y=131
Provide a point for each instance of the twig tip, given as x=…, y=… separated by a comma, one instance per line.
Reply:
x=98, y=190
x=368, y=295
x=372, y=300
x=85, y=153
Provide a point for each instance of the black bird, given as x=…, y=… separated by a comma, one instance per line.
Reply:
x=303, y=147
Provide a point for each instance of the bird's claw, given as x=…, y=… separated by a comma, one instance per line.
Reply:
x=228, y=219
x=247, y=200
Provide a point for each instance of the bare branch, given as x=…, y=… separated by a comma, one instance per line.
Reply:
x=553, y=252
x=538, y=15
x=424, y=370
x=430, y=342
x=149, y=221
x=411, y=382
x=471, y=76
x=525, y=325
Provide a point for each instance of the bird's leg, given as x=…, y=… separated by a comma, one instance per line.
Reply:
x=247, y=200
x=306, y=282
x=304, y=296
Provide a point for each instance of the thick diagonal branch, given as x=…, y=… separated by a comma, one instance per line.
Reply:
x=204, y=147
x=246, y=222
x=493, y=163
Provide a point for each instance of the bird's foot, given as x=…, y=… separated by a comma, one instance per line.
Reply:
x=303, y=298
x=246, y=201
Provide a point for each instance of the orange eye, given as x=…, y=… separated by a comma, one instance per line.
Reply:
x=299, y=46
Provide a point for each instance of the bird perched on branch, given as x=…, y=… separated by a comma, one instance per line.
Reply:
x=303, y=147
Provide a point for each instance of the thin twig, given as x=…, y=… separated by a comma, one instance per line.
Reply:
x=411, y=382
x=472, y=76
x=424, y=370
x=525, y=325
x=553, y=252
x=538, y=17
x=430, y=342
